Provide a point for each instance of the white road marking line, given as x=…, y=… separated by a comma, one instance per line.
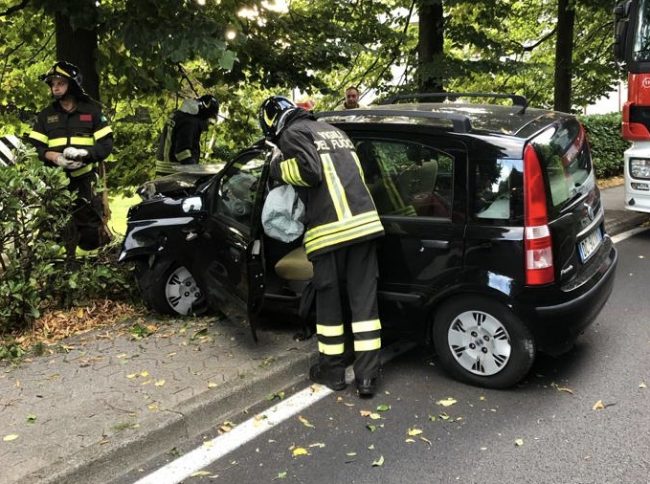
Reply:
x=214, y=449
x=630, y=233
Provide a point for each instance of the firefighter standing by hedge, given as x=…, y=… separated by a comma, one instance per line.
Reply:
x=73, y=134
x=319, y=160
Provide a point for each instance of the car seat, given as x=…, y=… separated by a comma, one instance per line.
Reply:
x=295, y=266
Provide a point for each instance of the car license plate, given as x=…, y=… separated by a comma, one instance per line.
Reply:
x=589, y=244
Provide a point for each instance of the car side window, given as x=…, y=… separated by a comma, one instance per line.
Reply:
x=497, y=193
x=235, y=197
x=407, y=178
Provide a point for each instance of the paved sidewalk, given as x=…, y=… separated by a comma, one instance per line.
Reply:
x=109, y=402
x=112, y=401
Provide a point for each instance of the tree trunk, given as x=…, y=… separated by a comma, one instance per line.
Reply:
x=564, y=55
x=78, y=46
x=430, y=46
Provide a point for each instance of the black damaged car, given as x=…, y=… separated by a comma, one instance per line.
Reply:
x=495, y=244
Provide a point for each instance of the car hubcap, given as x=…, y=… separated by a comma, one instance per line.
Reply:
x=181, y=291
x=479, y=343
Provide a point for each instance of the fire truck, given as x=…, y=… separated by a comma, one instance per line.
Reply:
x=632, y=49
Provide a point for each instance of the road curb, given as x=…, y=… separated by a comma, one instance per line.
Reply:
x=623, y=220
x=199, y=414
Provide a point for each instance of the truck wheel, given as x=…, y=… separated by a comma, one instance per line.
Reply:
x=481, y=342
x=169, y=288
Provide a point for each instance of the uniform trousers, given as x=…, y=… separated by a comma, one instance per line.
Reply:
x=348, y=271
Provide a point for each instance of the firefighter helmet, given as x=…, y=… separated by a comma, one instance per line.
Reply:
x=273, y=115
x=208, y=106
x=67, y=71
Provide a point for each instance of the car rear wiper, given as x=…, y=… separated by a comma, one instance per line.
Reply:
x=577, y=197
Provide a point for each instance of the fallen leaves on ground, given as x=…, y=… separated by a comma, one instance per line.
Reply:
x=600, y=405
x=305, y=422
x=562, y=389
x=519, y=442
x=448, y=402
x=272, y=396
x=298, y=451
x=199, y=474
x=226, y=427
x=379, y=462
x=10, y=437
x=56, y=325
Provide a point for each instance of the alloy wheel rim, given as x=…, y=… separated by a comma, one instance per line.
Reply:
x=479, y=343
x=181, y=291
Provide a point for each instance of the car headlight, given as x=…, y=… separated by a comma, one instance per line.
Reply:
x=192, y=204
x=640, y=168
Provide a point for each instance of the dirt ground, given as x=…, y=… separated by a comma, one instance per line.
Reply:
x=611, y=182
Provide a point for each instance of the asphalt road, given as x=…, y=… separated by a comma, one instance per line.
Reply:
x=544, y=431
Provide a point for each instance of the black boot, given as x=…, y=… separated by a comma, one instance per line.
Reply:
x=367, y=387
x=335, y=380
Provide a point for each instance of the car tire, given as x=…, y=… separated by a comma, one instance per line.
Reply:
x=480, y=341
x=161, y=284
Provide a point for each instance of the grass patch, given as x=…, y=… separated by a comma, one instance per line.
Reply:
x=120, y=205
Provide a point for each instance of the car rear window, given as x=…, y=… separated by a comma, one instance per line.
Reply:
x=564, y=154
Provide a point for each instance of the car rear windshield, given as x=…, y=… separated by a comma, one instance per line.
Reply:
x=564, y=154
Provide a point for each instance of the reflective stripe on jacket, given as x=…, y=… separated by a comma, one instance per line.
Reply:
x=320, y=161
x=86, y=127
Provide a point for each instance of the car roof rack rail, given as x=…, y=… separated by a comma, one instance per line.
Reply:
x=517, y=100
x=460, y=122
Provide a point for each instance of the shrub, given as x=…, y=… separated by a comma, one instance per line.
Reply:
x=34, y=211
x=607, y=145
x=34, y=273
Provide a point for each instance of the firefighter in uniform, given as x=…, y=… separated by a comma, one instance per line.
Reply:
x=342, y=224
x=73, y=134
x=180, y=140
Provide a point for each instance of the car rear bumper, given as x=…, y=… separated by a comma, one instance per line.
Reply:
x=557, y=326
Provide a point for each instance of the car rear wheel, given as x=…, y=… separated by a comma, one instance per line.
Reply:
x=169, y=288
x=481, y=342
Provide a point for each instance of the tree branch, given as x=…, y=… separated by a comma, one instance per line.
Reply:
x=407, y=22
x=14, y=9
x=528, y=48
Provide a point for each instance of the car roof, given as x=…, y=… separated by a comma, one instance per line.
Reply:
x=461, y=117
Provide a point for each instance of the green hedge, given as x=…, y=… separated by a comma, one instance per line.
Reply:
x=607, y=146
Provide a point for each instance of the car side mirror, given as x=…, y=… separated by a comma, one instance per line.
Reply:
x=192, y=204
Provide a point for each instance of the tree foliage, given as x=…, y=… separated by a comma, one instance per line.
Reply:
x=153, y=52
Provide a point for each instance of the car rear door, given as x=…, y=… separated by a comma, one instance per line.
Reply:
x=416, y=179
x=229, y=259
x=575, y=212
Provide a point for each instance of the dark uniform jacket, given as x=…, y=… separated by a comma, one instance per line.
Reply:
x=182, y=138
x=86, y=127
x=321, y=163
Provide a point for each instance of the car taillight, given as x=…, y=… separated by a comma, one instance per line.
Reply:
x=537, y=236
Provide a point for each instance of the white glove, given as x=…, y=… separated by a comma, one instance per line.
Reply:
x=276, y=153
x=67, y=164
x=75, y=153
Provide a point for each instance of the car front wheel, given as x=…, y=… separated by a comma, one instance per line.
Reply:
x=481, y=342
x=169, y=288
